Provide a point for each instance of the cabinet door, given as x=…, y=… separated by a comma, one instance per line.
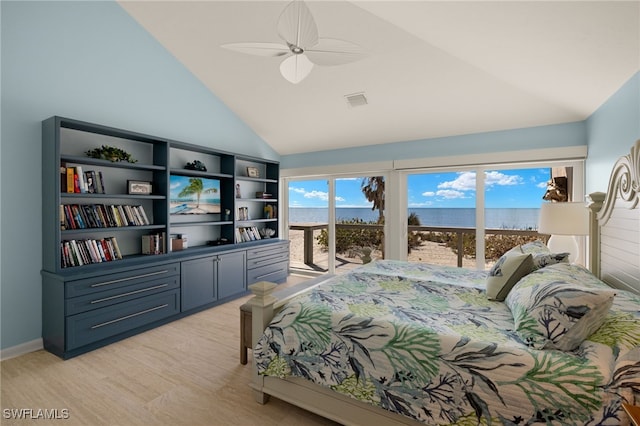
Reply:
x=198, y=282
x=231, y=274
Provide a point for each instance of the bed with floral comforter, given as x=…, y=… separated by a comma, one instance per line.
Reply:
x=424, y=341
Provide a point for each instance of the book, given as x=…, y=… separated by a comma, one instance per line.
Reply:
x=82, y=184
x=70, y=180
x=100, y=183
x=89, y=177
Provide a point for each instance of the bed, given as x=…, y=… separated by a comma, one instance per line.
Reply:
x=535, y=340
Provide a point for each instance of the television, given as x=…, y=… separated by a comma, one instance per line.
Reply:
x=193, y=195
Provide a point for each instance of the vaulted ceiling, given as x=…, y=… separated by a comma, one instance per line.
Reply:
x=433, y=68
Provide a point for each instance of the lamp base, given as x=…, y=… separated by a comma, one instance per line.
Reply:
x=564, y=244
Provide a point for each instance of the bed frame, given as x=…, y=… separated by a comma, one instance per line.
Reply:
x=615, y=258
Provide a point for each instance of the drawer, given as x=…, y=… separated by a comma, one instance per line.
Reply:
x=273, y=272
x=92, y=326
x=265, y=260
x=267, y=250
x=120, y=279
x=120, y=294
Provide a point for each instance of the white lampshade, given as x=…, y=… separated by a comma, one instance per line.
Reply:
x=563, y=221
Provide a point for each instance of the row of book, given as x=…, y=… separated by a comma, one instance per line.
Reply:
x=249, y=233
x=85, y=252
x=154, y=243
x=74, y=180
x=82, y=216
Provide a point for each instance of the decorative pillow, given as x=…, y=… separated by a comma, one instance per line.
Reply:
x=541, y=254
x=535, y=247
x=506, y=272
x=552, y=310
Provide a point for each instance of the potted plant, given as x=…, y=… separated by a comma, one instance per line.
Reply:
x=111, y=153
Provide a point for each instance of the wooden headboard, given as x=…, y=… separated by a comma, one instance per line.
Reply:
x=615, y=225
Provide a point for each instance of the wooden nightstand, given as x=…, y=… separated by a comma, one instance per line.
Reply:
x=633, y=412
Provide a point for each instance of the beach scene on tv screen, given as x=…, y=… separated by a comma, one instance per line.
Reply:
x=194, y=195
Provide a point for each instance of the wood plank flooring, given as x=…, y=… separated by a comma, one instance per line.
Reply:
x=184, y=373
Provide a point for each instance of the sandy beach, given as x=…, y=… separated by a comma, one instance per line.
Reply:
x=428, y=252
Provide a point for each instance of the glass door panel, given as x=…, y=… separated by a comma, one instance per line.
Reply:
x=308, y=224
x=442, y=218
x=359, y=213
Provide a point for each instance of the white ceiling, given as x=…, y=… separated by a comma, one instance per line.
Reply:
x=433, y=68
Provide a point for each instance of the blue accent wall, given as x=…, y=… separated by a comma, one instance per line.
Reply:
x=90, y=61
x=612, y=129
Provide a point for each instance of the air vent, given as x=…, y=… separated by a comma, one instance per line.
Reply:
x=356, y=99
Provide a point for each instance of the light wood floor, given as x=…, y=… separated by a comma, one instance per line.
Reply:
x=184, y=373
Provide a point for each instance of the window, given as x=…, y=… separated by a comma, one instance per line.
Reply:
x=441, y=216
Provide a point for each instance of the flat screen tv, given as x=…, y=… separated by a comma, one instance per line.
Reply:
x=194, y=195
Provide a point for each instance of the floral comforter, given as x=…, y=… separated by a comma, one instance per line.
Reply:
x=424, y=341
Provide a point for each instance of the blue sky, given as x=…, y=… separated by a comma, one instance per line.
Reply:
x=504, y=188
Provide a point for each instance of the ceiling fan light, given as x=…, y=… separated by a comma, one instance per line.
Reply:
x=296, y=68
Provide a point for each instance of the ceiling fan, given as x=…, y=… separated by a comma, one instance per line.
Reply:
x=303, y=47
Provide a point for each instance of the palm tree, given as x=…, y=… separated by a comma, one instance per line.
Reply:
x=196, y=187
x=373, y=189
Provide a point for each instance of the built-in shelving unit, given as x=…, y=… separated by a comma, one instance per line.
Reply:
x=99, y=282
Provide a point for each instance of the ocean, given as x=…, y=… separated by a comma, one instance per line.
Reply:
x=512, y=218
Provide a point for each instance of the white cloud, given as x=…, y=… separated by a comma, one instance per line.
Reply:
x=497, y=178
x=428, y=194
x=321, y=195
x=450, y=193
x=298, y=190
x=466, y=181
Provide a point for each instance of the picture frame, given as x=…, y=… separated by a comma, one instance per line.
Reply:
x=139, y=187
x=253, y=172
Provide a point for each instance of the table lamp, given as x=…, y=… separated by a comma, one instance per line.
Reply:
x=563, y=221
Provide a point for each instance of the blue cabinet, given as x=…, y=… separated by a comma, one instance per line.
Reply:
x=100, y=283
x=208, y=279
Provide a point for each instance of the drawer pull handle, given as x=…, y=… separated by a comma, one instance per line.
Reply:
x=150, y=274
x=117, y=296
x=146, y=311
x=259, y=277
x=272, y=260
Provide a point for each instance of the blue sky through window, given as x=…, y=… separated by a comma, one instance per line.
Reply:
x=521, y=188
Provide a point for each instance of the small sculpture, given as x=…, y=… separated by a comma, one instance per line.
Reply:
x=196, y=165
x=556, y=189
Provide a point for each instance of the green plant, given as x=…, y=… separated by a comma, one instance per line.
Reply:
x=111, y=153
x=352, y=239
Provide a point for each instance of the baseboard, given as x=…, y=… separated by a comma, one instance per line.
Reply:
x=21, y=349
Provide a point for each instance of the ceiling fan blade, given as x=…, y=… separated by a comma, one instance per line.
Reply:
x=296, y=25
x=332, y=51
x=259, y=49
x=296, y=68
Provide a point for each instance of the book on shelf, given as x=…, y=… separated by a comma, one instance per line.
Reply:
x=154, y=243
x=246, y=234
x=75, y=180
x=83, y=216
x=71, y=180
x=88, y=251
